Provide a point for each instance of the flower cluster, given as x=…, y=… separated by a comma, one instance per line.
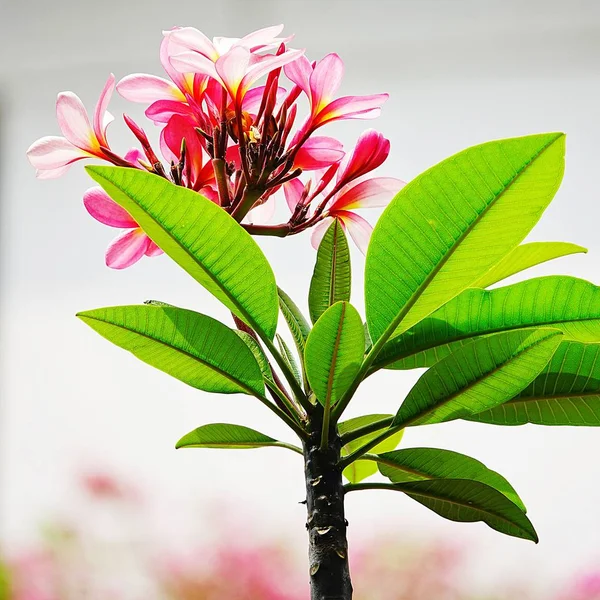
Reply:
x=235, y=142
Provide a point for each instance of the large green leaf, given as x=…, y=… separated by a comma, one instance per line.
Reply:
x=478, y=376
x=565, y=303
x=334, y=352
x=191, y=347
x=524, y=257
x=331, y=279
x=567, y=392
x=201, y=238
x=227, y=436
x=361, y=469
x=454, y=222
x=420, y=464
x=467, y=501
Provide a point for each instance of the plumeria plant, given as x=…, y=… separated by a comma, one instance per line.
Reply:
x=230, y=150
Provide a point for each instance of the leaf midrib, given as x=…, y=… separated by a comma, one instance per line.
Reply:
x=419, y=291
x=470, y=385
x=467, y=336
x=226, y=375
x=213, y=278
x=466, y=504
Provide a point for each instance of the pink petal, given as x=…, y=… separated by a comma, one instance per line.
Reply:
x=127, y=249
x=370, y=152
x=74, y=123
x=195, y=40
x=359, y=229
x=194, y=62
x=177, y=129
x=134, y=156
x=153, y=249
x=232, y=67
x=169, y=47
x=253, y=98
x=54, y=152
x=319, y=231
x=101, y=117
x=325, y=81
x=299, y=72
x=104, y=209
x=352, y=107
x=265, y=65
x=210, y=193
x=162, y=110
x=263, y=213
x=52, y=173
x=261, y=38
x=146, y=89
x=371, y=193
x=319, y=152
x=293, y=192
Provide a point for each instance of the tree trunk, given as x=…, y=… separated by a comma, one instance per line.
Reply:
x=326, y=524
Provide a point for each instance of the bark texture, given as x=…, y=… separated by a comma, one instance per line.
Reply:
x=326, y=524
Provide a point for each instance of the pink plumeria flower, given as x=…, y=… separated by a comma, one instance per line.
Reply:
x=370, y=193
x=232, y=62
x=321, y=82
x=129, y=246
x=53, y=155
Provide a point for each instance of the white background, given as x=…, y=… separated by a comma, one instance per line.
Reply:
x=458, y=73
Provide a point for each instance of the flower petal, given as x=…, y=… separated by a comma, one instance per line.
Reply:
x=371, y=193
x=146, y=89
x=370, y=152
x=193, y=39
x=319, y=152
x=352, y=107
x=101, y=117
x=299, y=72
x=319, y=231
x=359, y=229
x=74, y=123
x=54, y=152
x=104, y=209
x=194, y=62
x=261, y=38
x=265, y=64
x=293, y=192
x=232, y=67
x=162, y=110
x=325, y=80
x=263, y=213
x=153, y=249
x=127, y=249
x=52, y=173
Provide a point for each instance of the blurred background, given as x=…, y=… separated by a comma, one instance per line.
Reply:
x=91, y=488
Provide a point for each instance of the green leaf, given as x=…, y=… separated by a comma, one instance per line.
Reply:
x=450, y=225
x=298, y=325
x=259, y=355
x=331, y=279
x=289, y=359
x=201, y=238
x=191, y=347
x=468, y=501
x=524, y=257
x=334, y=352
x=420, y=464
x=228, y=436
x=567, y=392
x=478, y=376
x=565, y=303
x=361, y=469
